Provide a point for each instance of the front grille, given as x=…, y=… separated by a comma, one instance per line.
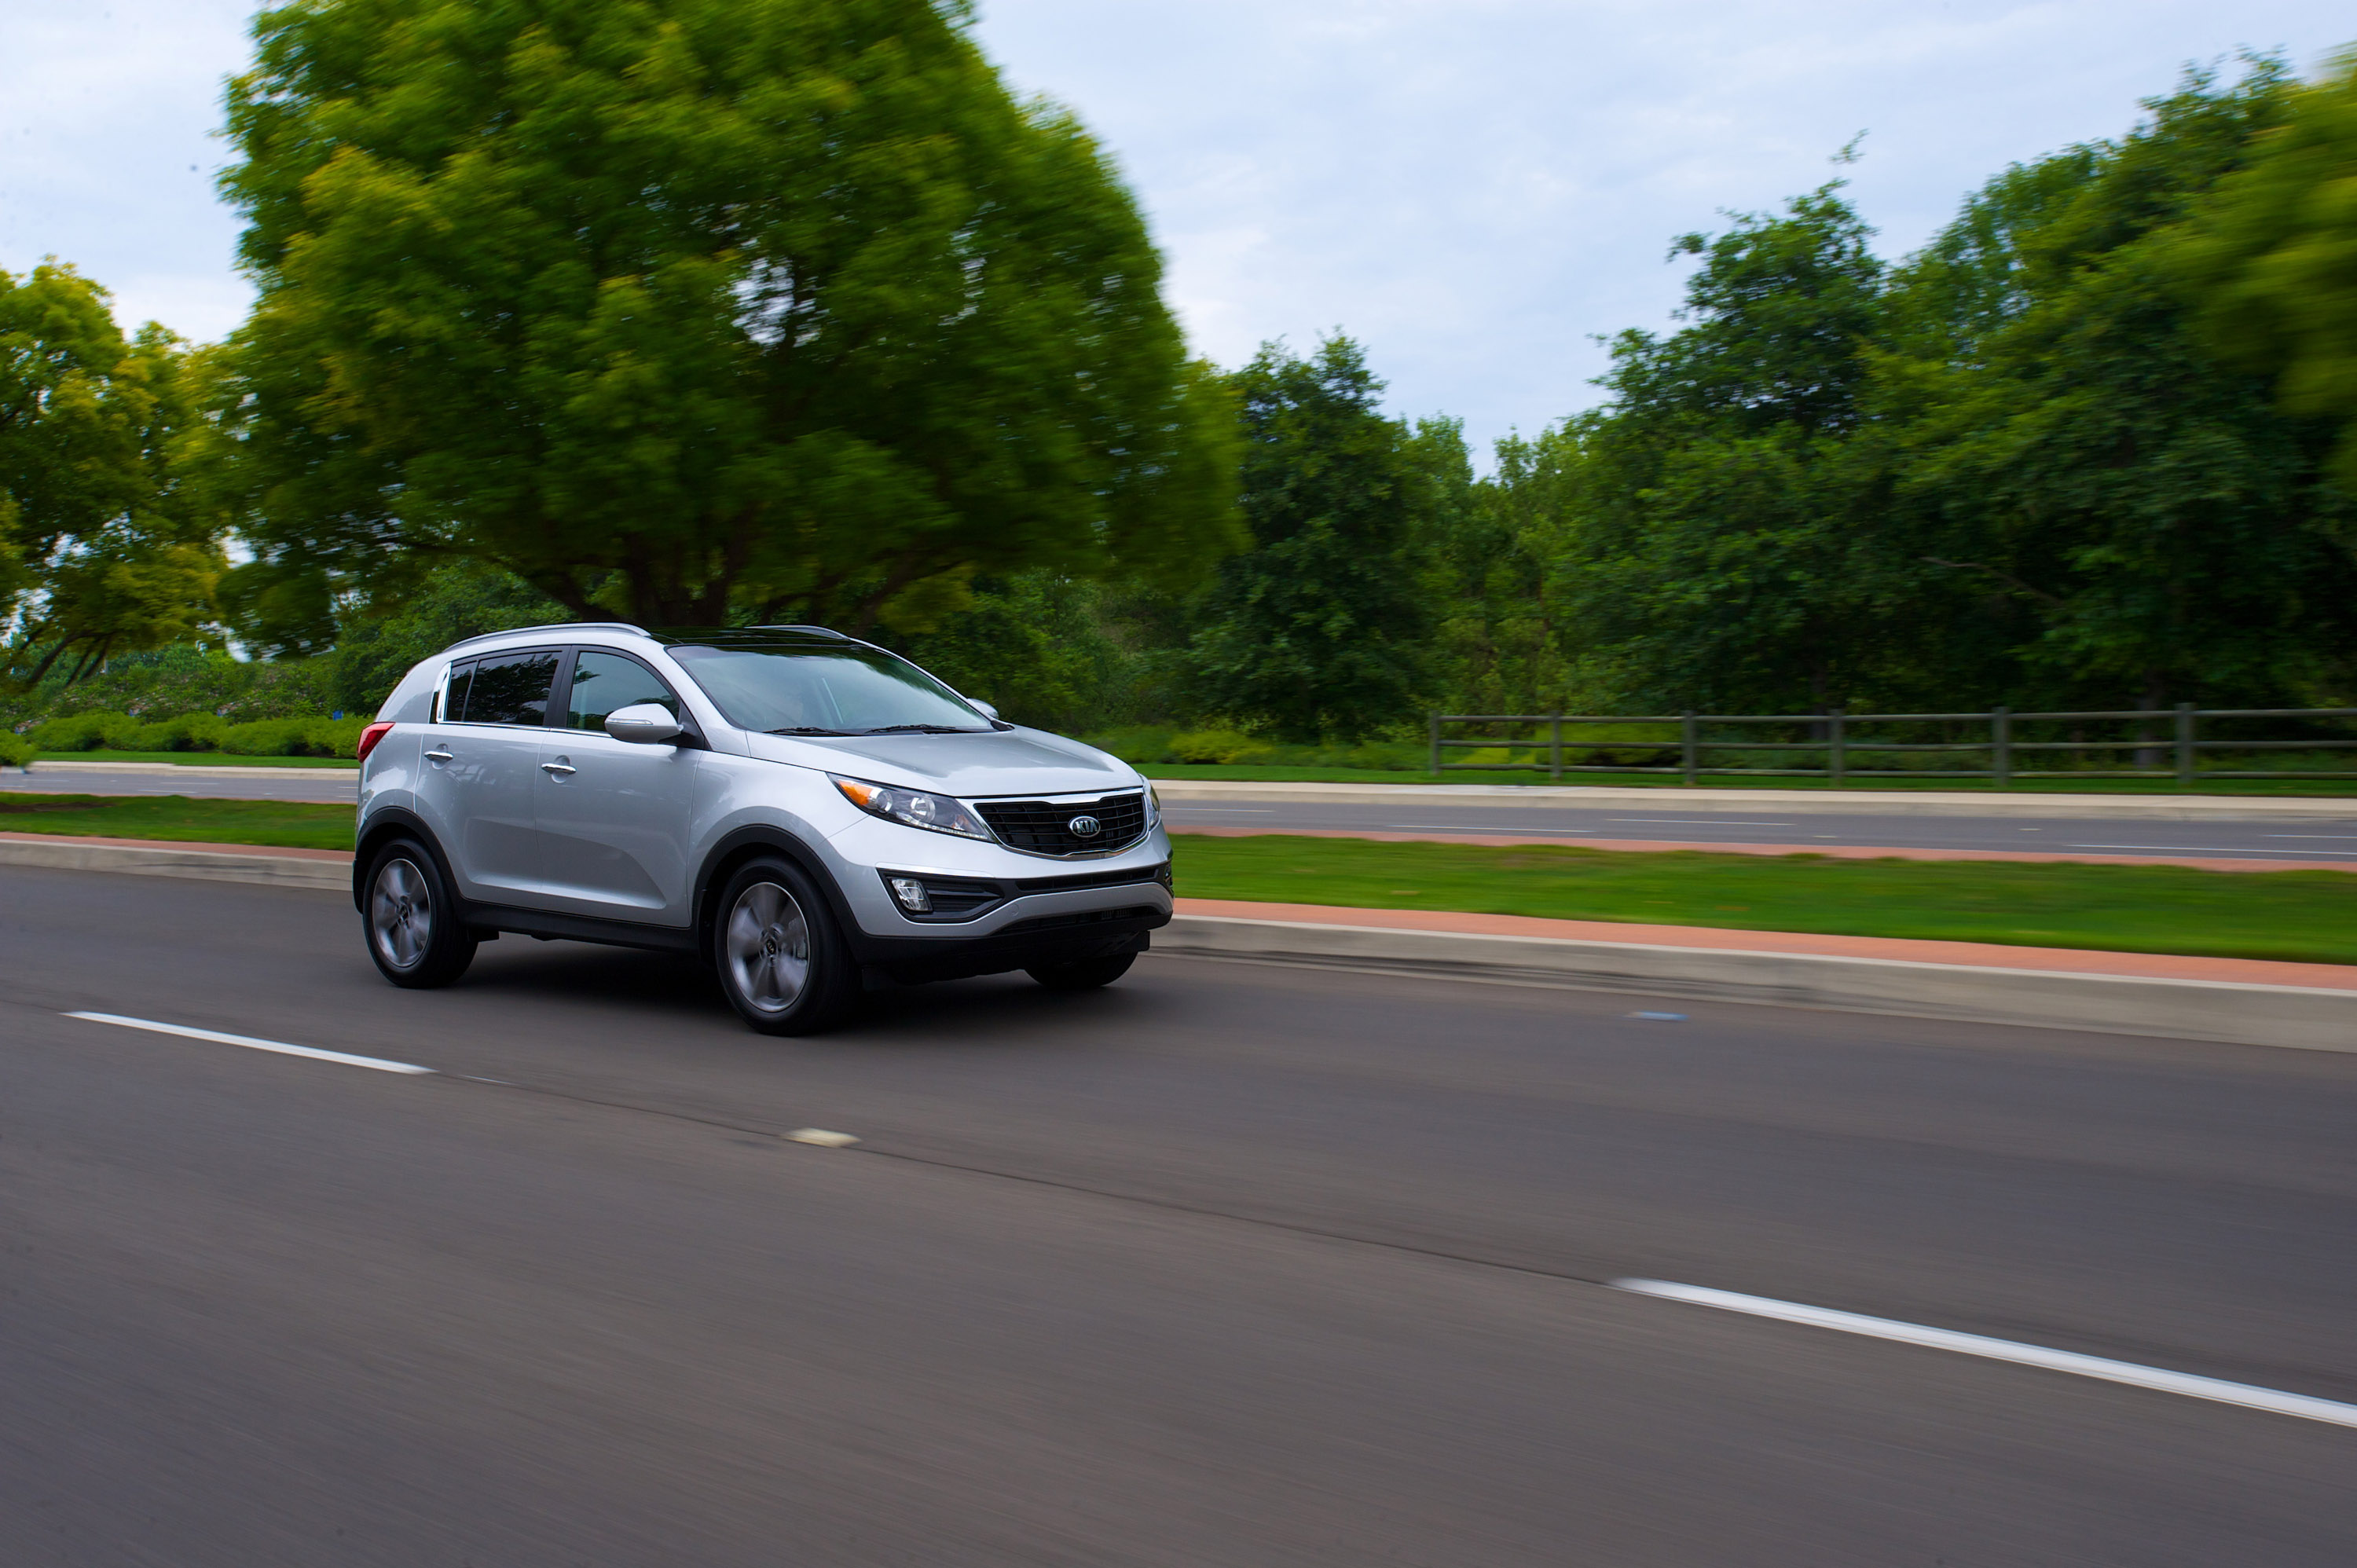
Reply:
x=1041, y=827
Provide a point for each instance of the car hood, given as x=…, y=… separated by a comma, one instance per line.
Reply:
x=1001, y=762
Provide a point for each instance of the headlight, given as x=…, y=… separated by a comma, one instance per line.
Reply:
x=912, y=807
x=1153, y=807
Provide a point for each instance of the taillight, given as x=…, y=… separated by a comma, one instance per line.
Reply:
x=369, y=737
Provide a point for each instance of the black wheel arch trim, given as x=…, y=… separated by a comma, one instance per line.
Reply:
x=389, y=823
x=763, y=837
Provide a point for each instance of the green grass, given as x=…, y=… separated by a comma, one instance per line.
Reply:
x=196, y=759
x=286, y=824
x=1244, y=774
x=2303, y=916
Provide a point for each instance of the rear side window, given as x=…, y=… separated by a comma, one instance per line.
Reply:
x=504, y=689
x=604, y=683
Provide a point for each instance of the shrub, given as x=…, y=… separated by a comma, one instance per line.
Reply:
x=16, y=750
x=265, y=737
x=1223, y=746
x=1144, y=744
x=81, y=731
x=332, y=737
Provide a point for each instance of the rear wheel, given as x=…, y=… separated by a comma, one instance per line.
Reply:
x=412, y=921
x=1086, y=974
x=782, y=961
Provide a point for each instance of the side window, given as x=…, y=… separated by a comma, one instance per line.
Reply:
x=603, y=682
x=507, y=689
x=456, y=703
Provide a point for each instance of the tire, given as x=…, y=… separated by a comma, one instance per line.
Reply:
x=781, y=958
x=1086, y=974
x=410, y=920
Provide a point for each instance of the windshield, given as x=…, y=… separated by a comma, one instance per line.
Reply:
x=797, y=689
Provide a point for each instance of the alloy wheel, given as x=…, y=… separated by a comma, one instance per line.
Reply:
x=769, y=948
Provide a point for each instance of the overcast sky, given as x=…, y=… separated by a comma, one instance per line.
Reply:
x=1471, y=188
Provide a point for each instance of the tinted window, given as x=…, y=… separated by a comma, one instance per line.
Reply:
x=507, y=689
x=456, y=704
x=604, y=683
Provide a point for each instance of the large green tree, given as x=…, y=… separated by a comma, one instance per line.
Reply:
x=107, y=540
x=1319, y=630
x=1709, y=546
x=2143, y=524
x=2273, y=260
x=696, y=310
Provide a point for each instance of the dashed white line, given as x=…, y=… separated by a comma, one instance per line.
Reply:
x=249, y=1043
x=2307, y=1407
x=1696, y=822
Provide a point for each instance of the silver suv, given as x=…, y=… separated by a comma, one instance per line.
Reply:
x=814, y=816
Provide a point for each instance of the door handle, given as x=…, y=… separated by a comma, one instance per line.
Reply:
x=438, y=756
x=558, y=770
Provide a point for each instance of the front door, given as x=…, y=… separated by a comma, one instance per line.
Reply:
x=614, y=817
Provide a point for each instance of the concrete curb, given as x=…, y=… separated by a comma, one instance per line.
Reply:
x=2237, y=1014
x=2169, y=1009
x=164, y=859
x=1747, y=802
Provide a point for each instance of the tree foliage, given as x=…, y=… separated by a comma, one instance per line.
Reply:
x=695, y=311
x=107, y=530
x=1318, y=629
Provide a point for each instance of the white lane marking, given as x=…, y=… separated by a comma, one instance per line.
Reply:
x=2312, y=836
x=1697, y=822
x=1662, y=1017
x=2209, y=849
x=284, y=1049
x=822, y=1137
x=2305, y=1406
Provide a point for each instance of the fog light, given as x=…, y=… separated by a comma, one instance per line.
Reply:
x=911, y=894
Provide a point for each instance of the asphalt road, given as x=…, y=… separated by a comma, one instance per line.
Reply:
x=1228, y=1264
x=2323, y=842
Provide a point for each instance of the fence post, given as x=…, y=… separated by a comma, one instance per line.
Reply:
x=1837, y=751
x=1690, y=745
x=1435, y=745
x=2001, y=747
x=1555, y=746
x=2185, y=745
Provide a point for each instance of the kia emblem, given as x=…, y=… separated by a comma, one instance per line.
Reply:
x=1085, y=827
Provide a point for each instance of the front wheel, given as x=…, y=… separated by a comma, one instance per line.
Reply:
x=1086, y=974
x=411, y=920
x=781, y=958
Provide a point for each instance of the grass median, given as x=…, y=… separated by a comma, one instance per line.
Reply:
x=2302, y=916
x=284, y=824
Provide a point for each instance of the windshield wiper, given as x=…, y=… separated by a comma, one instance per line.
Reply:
x=919, y=729
x=807, y=729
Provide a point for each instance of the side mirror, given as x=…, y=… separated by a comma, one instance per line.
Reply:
x=642, y=723
x=979, y=706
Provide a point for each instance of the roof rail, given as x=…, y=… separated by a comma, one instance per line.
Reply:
x=554, y=625
x=813, y=631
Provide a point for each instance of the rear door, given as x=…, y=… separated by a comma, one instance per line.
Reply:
x=481, y=761
x=614, y=817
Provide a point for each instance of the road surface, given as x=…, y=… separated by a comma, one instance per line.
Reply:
x=1227, y=1264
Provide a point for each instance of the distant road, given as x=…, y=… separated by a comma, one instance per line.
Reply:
x=2316, y=840
x=1227, y=1264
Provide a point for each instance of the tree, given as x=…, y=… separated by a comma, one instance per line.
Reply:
x=697, y=309
x=107, y=540
x=2270, y=258
x=1316, y=631
x=1711, y=543
x=2142, y=520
